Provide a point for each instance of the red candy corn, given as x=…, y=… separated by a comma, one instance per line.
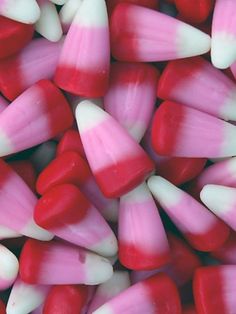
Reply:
x=68, y=167
x=38, y=110
x=196, y=11
x=142, y=35
x=157, y=294
x=63, y=202
x=66, y=299
x=84, y=69
x=13, y=36
x=52, y=263
x=66, y=212
x=183, y=263
x=36, y=61
x=118, y=163
x=70, y=141
x=176, y=127
x=184, y=81
x=203, y=230
x=131, y=86
x=214, y=289
x=143, y=243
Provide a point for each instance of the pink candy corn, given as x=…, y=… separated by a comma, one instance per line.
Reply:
x=221, y=200
x=118, y=163
x=176, y=127
x=17, y=203
x=36, y=61
x=131, y=96
x=83, y=67
x=24, y=11
x=24, y=298
x=203, y=230
x=38, y=111
x=223, y=47
x=188, y=82
x=143, y=243
x=52, y=263
x=66, y=212
x=220, y=173
x=9, y=267
x=157, y=294
x=48, y=25
x=106, y=291
x=141, y=34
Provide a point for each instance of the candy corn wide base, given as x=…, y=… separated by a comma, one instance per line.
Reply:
x=117, y=156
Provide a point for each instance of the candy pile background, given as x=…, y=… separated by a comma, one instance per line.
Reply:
x=117, y=156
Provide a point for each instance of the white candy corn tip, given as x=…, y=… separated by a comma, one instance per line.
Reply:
x=34, y=231
x=49, y=25
x=24, y=11
x=223, y=50
x=219, y=199
x=6, y=233
x=88, y=115
x=92, y=13
x=164, y=191
x=99, y=269
x=24, y=298
x=107, y=247
x=9, y=265
x=6, y=148
x=191, y=41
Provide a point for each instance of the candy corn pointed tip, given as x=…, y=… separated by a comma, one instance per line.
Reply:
x=6, y=147
x=107, y=247
x=88, y=115
x=92, y=13
x=209, y=196
x=202, y=41
x=94, y=263
x=223, y=51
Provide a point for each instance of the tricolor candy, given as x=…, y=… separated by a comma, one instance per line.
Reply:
x=51, y=263
x=79, y=72
x=142, y=35
x=118, y=163
x=199, y=226
x=38, y=111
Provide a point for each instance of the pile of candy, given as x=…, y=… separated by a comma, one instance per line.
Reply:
x=117, y=145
